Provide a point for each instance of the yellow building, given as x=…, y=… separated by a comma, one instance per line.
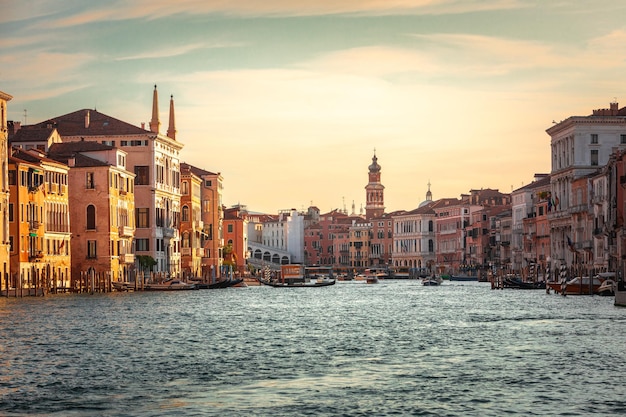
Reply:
x=38, y=223
x=191, y=224
x=211, y=216
x=4, y=194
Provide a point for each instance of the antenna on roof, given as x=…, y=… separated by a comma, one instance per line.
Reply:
x=25, y=114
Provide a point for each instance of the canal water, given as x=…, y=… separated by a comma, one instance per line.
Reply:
x=392, y=349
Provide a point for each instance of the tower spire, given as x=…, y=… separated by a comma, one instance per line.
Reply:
x=375, y=200
x=171, y=129
x=155, y=124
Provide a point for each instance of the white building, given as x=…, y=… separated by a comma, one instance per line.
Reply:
x=580, y=145
x=286, y=233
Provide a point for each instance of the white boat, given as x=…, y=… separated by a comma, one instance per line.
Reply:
x=607, y=288
x=431, y=281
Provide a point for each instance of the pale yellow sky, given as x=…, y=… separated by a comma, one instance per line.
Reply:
x=288, y=100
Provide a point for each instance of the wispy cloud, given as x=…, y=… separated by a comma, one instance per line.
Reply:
x=42, y=67
x=176, y=50
x=154, y=9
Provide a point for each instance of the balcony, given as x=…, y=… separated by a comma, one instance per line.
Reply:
x=127, y=258
x=33, y=225
x=185, y=251
x=169, y=232
x=125, y=231
x=581, y=208
x=584, y=245
x=200, y=252
x=35, y=256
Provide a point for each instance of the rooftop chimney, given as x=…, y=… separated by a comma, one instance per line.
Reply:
x=87, y=120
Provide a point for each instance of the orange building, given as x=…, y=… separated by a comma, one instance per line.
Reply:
x=102, y=206
x=236, y=238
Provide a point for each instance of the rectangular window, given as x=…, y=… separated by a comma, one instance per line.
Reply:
x=142, y=245
x=10, y=212
x=12, y=177
x=142, y=219
x=91, y=249
x=594, y=138
x=622, y=139
x=89, y=181
x=142, y=175
x=594, y=157
x=230, y=228
x=207, y=183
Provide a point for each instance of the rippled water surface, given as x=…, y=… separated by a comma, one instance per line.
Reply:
x=393, y=349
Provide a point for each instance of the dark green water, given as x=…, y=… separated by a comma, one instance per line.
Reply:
x=393, y=349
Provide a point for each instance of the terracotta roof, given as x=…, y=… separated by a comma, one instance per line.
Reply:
x=195, y=170
x=80, y=161
x=30, y=155
x=535, y=184
x=100, y=124
x=78, y=146
x=446, y=202
x=29, y=134
x=425, y=209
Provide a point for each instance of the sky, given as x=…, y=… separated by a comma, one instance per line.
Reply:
x=289, y=100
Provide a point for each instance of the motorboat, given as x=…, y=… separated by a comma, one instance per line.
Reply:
x=431, y=281
x=293, y=276
x=607, y=288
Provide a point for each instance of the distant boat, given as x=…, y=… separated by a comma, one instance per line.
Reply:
x=293, y=276
x=171, y=285
x=514, y=281
x=223, y=283
x=463, y=277
x=122, y=285
x=577, y=286
x=431, y=281
x=607, y=288
x=374, y=275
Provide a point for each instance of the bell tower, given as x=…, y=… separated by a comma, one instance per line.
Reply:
x=375, y=192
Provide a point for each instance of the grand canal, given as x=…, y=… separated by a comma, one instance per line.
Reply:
x=393, y=349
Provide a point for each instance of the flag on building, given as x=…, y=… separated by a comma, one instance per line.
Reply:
x=570, y=245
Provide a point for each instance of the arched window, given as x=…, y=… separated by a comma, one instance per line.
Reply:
x=91, y=217
x=185, y=213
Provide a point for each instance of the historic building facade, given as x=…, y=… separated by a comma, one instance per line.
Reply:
x=154, y=158
x=102, y=207
x=4, y=193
